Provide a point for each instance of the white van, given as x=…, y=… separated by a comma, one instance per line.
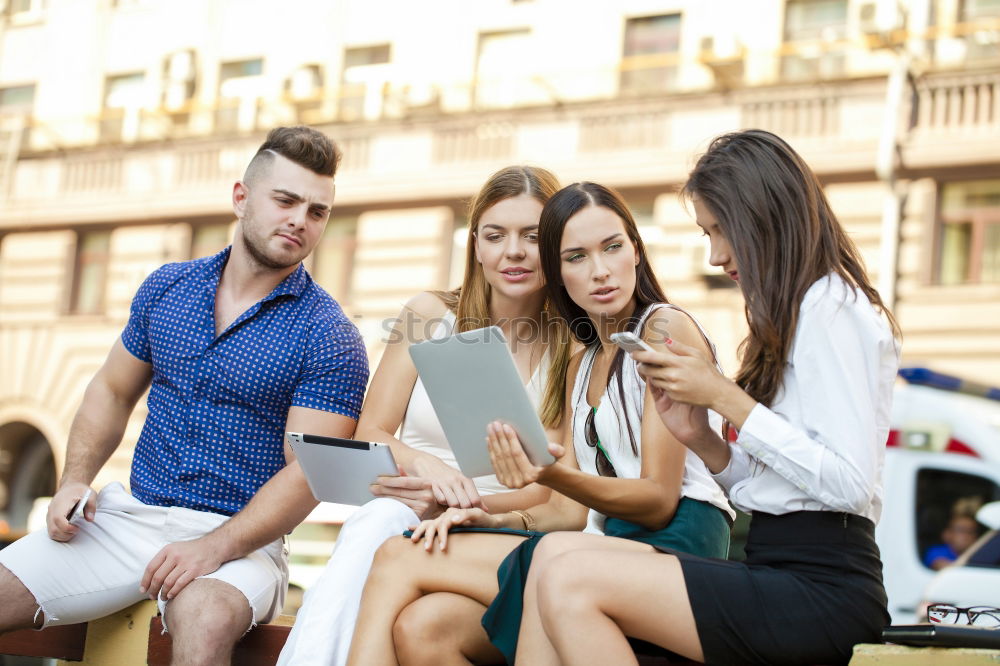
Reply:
x=944, y=445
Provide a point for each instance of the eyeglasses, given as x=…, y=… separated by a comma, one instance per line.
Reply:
x=977, y=616
x=601, y=459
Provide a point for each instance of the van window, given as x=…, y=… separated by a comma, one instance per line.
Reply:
x=938, y=491
x=987, y=554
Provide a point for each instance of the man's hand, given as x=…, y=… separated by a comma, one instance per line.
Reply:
x=178, y=564
x=57, y=518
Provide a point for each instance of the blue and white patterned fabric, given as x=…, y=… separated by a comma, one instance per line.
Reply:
x=218, y=405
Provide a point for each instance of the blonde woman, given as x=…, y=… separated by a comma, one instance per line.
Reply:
x=503, y=286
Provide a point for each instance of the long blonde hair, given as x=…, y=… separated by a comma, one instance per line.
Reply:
x=471, y=301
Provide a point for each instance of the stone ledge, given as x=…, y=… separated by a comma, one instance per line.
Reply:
x=868, y=654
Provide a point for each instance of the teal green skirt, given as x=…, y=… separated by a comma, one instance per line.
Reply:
x=697, y=527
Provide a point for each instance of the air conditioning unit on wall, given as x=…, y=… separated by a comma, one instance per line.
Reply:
x=180, y=74
x=725, y=57
x=880, y=17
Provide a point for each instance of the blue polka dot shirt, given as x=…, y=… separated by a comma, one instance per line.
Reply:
x=218, y=405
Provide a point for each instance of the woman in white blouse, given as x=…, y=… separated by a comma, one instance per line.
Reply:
x=811, y=406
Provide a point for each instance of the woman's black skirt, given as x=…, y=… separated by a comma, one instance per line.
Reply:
x=809, y=590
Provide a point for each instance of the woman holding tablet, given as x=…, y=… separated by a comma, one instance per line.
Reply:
x=502, y=286
x=424, y=604
x=811, y=403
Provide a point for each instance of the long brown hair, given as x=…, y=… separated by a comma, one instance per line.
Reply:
x=566, y=203
x=784, y=236
x=471, y=301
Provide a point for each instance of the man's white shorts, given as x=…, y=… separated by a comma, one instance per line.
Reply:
x=98, y=572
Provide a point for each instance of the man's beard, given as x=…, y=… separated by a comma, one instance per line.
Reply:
x=257, y=252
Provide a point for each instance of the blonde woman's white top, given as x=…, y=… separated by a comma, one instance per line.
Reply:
x=820, y=446
x=422, y=431
x=610, y=421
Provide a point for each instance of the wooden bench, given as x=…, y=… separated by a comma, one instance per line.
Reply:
x=66, y=643
x=135, y=636
x=259, y=647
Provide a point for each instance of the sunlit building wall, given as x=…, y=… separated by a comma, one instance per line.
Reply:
x=123, y=124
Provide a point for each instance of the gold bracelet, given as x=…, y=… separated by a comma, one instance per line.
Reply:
x=529, y=522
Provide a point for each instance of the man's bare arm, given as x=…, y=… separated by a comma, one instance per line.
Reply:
x=279, y=505
x=96, y=432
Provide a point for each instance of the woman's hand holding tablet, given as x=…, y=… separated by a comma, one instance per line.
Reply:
x=471, y=381
x=512, y=466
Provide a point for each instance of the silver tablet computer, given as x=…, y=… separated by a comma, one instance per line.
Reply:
x=340, y=470
x=471, y=380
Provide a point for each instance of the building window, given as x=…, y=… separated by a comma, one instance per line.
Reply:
x=304, y=90
x=239, y=95
x=969, y=235
x=123, y=97
x=649, y=54
x=504, y=66
x=25, y=9
x=16, y=105
x=814, y=34
x=973, y=10
x=180, y=75
x=363, y=81
x=208, y=239
x=333, y=260
x=17, y=99
x=90, y=272
x=980, y=42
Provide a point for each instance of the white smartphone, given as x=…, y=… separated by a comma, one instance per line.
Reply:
x=77, y=511
x=630, y=342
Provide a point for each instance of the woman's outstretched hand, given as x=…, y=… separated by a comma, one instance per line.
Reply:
x=439, y=527
x=510, y=462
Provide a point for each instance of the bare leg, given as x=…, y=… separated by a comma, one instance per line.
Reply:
x=19, y=606
x=403, y=572
x=205, y=621
x=614, y=594
x=533, y=646
x=441, y=629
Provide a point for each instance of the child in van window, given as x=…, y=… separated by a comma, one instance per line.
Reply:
x=961, y=532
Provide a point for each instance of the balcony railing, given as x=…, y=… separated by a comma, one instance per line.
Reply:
x=836, y=127
x=952, y=103
x=810, y=115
